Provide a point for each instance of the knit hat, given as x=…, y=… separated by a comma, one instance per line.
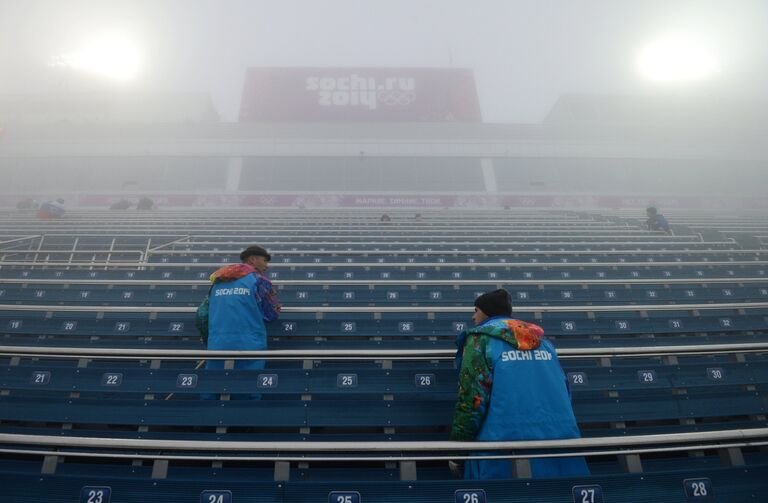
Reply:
x=495, y=303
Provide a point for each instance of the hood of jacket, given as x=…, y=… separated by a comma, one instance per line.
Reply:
x=524, y=336
x=231, y=272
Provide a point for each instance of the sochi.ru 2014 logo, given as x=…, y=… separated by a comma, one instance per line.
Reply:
x=357, y=91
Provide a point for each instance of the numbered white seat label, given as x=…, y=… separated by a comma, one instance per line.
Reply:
x=405, y=327
x=267, y=381
x=424, y=380
x=112, y=379
x=646, y=376
x=459, y=326
x=344, y=497
x=122, y=326
x=95, y=494
x=698, y=489
x=469, y=496
x=568, y=326
x=578, y=378
x=621, y=325
x=69, y=326
x=216, y=497
x=346, y=381
x=40, y=377
x=289, y=326
x=587, y=494
x=725, y=322
x=716, y=373
x=176, y=326
x=393, y=295
x=186, y=381
x=675, y=324
x=14, y=324
x=436, y=295
x=348, y=326
x=302, y=295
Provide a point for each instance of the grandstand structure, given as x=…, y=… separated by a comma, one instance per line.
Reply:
x=661, y=337
x=103, y=392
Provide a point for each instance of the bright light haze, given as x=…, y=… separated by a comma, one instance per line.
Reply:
x=525, y=54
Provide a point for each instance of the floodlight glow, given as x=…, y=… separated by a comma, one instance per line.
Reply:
x=677, y=59
x=112, y=57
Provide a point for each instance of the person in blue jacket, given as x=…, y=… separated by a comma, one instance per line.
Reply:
x=511, y=387
x=656, y=221
x=241, y=300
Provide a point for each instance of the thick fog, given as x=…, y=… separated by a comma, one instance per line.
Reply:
x=585, y=71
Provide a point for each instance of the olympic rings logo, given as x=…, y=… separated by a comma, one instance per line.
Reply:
x=392, y=97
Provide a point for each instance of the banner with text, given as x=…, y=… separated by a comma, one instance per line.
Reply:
x=359, y=95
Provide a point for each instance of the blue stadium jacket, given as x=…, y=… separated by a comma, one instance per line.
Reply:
x=236, y=319
x=529, y=400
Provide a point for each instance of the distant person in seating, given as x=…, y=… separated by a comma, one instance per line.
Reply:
x=385, y=219
x=145, y=204
x=656, y=221
x=122, y=204
x=51, y=209
x=511, y=387
x=418, y=217
x=242, y=299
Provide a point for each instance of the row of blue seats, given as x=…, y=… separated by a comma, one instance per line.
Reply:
x=420, y=380
x=474, y=258
x=606, y=324
x=387, y=295
x=252, y=484
x=344, y=411
x=318, y=272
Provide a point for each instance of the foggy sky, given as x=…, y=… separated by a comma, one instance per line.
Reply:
x=524, y=53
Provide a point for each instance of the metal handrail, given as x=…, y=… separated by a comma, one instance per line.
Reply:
x=395, y=448
x=393, y=309
x=281, y=265
x=359, y=354
x=384, y=282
